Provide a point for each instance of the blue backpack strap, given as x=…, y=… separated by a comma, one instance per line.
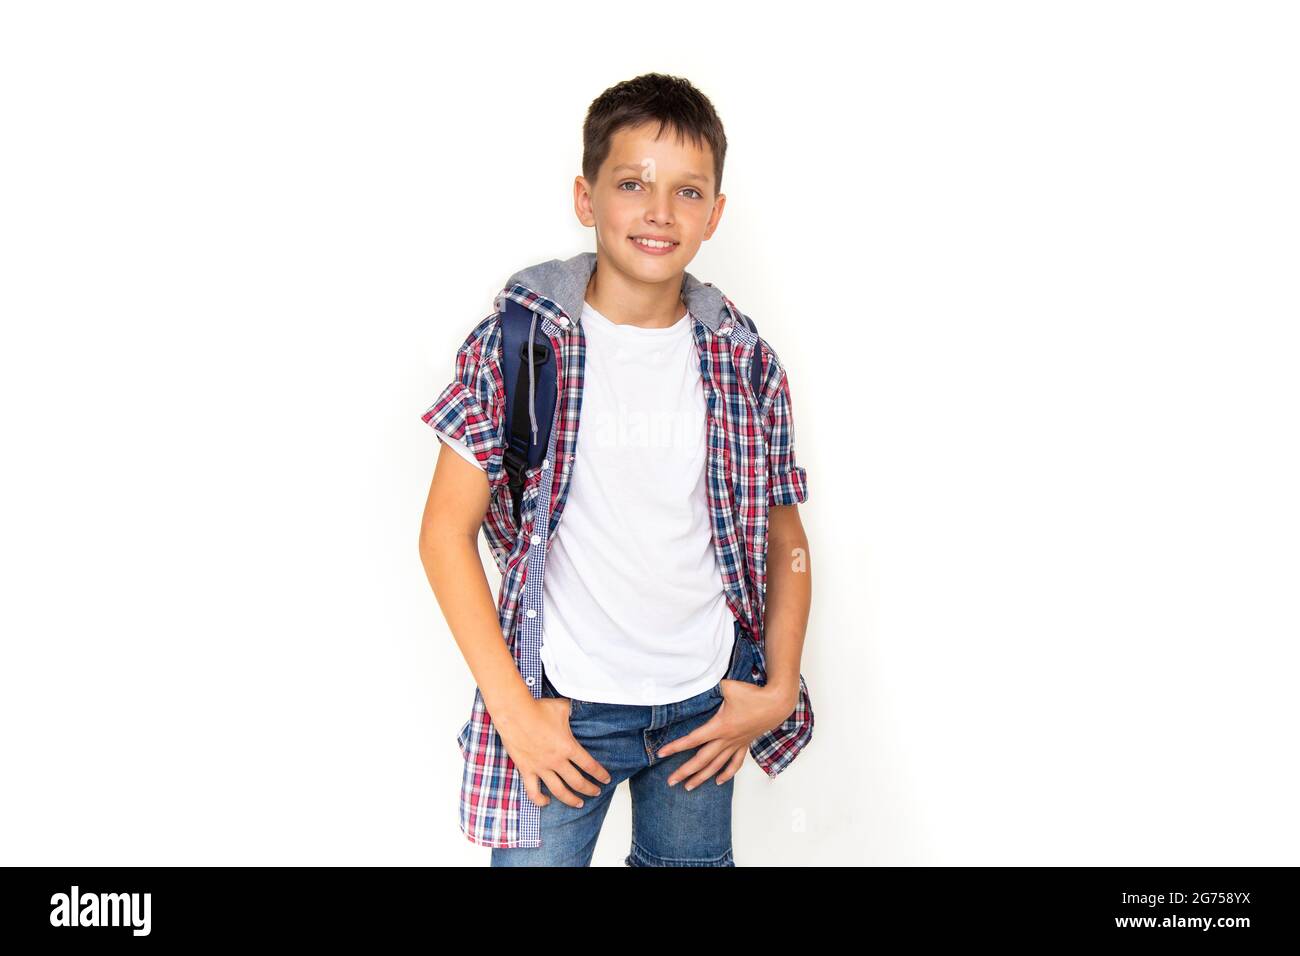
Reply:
x=521, y=453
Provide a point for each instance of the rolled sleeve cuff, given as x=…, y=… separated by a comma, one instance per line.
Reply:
x=458, y=414
x=790, y=488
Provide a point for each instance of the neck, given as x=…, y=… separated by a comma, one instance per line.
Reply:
x=625, y=300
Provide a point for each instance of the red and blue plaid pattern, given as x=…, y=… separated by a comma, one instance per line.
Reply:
x=751, y=466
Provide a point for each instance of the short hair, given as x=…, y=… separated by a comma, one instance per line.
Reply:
x=671, y=100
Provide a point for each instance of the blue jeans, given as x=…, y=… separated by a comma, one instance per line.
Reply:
x=670, y=825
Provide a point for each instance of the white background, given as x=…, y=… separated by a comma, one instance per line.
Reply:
x=1032, y=269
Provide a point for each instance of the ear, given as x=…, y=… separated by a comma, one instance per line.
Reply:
x=582, y=206
x=714, y=216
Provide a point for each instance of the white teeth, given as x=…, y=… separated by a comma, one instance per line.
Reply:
x=654, y=244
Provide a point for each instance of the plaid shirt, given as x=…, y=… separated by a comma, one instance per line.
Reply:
x=751, y=466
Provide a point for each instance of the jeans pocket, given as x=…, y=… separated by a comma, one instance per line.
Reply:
x=746, y=665
x=735, y=665
x=550, y=690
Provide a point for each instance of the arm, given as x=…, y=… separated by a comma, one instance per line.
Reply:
x=789, y=576
x=535, y=732
x=457, y=503
x=789, y=599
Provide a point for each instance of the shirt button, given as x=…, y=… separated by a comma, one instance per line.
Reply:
x=724, y=330
x=546, y=463
x=529, y=681
x=531, y=612
x=535, y=538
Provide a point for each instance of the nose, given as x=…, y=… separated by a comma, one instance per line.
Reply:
x=660, y=212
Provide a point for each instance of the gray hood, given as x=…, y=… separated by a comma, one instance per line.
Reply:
x=562, y=284
x=555, y=289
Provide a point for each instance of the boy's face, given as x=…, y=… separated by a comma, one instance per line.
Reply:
x=647, y=187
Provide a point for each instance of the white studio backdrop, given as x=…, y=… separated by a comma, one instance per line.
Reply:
x=1031, y=268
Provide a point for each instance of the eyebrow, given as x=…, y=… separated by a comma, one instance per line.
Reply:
x=637, y=168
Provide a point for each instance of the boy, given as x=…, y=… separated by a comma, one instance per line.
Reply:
x=639, y=638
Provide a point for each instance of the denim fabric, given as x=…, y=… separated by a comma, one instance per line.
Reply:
x=670, y=825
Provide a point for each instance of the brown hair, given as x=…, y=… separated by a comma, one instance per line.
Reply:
x=670, y=100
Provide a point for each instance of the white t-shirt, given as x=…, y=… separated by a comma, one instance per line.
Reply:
x=635, y=607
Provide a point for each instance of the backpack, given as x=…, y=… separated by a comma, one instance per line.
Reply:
x=520, y=452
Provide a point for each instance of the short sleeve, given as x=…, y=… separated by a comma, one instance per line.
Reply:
x=460, y=448
x=469, y=410
x=787, y=483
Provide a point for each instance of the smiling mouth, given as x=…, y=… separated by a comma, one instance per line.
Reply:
x=653, y=245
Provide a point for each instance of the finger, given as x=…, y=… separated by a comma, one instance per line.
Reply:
x=534, y=791
x=701, y=758
x=712, y=767
x=701, y=734
x=574, y=778
x=590, y=764
x=559, y=790
x=733, y=766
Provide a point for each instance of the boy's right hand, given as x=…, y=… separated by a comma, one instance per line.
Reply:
x=544, y=749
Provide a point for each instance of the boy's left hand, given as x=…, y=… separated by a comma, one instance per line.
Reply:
x=747, y=711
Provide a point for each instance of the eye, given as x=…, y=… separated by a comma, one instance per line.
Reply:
x=698, y=194
x=626, y=182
